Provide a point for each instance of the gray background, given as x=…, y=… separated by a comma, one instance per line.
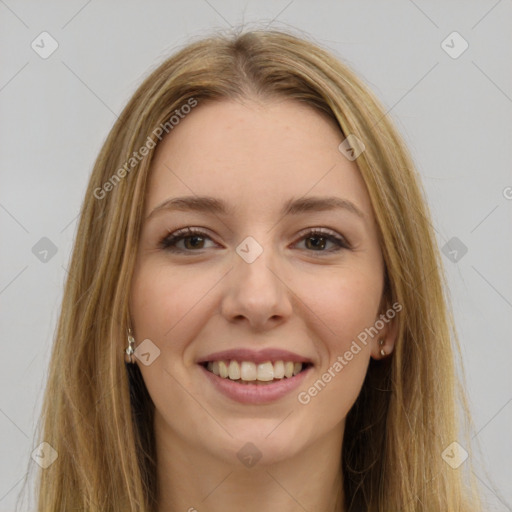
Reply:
x=455, y=114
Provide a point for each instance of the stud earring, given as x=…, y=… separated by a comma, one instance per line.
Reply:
x=382, y=351
x=130, y=350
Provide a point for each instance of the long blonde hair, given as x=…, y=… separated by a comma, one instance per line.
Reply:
x=97, y=413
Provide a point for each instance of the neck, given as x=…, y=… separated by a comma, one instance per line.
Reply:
x=192, y=480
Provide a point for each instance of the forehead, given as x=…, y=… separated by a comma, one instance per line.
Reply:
x=254, y=155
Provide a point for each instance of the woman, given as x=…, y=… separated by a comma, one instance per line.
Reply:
x=255, y=315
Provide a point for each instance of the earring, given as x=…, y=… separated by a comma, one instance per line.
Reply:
x=382, y=351
x=130, y=350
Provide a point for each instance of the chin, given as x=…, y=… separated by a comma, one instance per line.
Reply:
x=259, y=441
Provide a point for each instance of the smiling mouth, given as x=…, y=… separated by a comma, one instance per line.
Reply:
x=248, y=372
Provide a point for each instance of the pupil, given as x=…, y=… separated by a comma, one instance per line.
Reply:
x=195, y=238
x=321, y=244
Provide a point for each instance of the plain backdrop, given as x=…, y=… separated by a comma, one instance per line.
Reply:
x=453, y=107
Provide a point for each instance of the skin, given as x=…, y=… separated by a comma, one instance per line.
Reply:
x=255, y=155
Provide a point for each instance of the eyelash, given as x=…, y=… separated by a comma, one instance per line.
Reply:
x=169, y=242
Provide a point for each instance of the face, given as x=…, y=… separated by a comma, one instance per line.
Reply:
x=258, y=285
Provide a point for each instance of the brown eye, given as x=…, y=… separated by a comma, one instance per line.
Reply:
x=194, y=242
x=318, y=239
x=319, y=242
x=193, y=239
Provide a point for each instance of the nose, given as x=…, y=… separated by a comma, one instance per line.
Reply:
x=256, y=293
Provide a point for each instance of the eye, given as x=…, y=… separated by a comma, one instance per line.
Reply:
x=321, y=237
x=193, y=237
x=194, y=240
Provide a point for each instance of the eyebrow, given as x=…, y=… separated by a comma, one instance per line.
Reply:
x=210, y=204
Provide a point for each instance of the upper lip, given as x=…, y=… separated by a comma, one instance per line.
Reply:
x=255, y=356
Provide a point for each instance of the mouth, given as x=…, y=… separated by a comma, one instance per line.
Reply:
x=250, y=376
x=251, y=373
x=260, y=382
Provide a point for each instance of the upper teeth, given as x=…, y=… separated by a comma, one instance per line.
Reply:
x=247, y=370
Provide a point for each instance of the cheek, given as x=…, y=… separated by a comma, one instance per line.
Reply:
x=164, y=303
x=163, y=300
x=347, y=302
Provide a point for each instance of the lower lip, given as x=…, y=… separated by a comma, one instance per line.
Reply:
x=256, y=393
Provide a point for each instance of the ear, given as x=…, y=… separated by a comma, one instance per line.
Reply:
x=386, y=323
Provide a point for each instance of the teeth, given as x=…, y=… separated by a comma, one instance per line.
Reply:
x=266, y=371
x=223, y=369
x=278, y=370
x=234, y=370
x=249, y=371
